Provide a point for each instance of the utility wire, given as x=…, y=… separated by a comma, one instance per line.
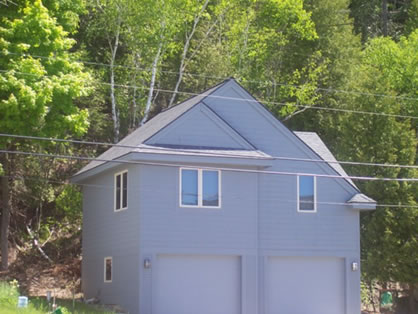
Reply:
x=217, y=77
x=71, y=157
x=356, y=163
x=240, y=99
x=111, y=187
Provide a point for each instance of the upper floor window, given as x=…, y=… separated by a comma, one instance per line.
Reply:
x=108, y=269
x=307, y=194
x=121, y=190
x=200, y=188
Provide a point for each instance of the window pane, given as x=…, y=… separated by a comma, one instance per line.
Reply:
x=306, y=193
x=108, y=269
x=118, y=191
x=210, y=188
x=188, y=187
x=125, y=190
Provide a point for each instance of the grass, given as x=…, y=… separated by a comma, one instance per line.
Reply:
x=9, y=294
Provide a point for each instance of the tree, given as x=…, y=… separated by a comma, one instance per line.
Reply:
x=339, y=51
x=389, y=236
x=375, y=18
x=39, y=82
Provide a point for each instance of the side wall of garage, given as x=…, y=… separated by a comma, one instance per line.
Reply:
x=107, y=233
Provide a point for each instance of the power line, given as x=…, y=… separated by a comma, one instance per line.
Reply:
x=356, y=163
x=71, y=157
x=240, y=99
x=5, y=2
x=219, y=78
x=19, y=177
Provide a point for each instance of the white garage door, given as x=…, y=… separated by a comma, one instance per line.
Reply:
x=296, y=285
x=191, y=284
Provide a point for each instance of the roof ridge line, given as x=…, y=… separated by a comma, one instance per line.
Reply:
x=214, y=87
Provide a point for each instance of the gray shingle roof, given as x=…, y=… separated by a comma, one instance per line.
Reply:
x=361, y=198
x=150, y=128
x=318, y=146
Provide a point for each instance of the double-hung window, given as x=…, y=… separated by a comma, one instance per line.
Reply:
x=108, y=269
x=121, y=190
x=306, y=194
x=200, y=188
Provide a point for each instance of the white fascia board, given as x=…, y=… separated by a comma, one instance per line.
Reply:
x=196, y=159
x=239, y=162
x=99, y=169
x=363, y=206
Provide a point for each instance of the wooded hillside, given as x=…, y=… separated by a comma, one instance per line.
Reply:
x=95, y=70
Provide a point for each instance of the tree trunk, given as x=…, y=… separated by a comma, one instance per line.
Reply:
x=185, y=50
x=412, y=303
x=5, y=217
x=134, y=106
x=115, y=114
x=385, y=17
x=152, y=84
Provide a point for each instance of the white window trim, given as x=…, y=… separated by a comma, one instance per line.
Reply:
x=200, y=188
x=111, y=269
x=297, y=199
x=121, y=191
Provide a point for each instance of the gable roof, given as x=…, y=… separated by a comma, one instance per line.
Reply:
x=313, y=140
x=308, y=139
x=210, y=130
x=136, y=142
x=144, y=132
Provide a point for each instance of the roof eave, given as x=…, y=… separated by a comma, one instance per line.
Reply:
x=200, y=159
x=363, y=206
x=175, y=159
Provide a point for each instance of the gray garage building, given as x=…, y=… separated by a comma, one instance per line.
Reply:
x=215, y=207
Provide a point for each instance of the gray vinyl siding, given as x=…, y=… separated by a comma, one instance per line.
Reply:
x=201, y=128
x=164, y=224
x=109, y=233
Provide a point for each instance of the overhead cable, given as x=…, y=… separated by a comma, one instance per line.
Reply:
x=219, y=78
x=241, y=99
x=111, y=187
x=355, y=163
x=285, y=173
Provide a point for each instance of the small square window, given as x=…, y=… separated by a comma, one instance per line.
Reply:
x=199, y=188
x=121, y=190
x=108, y=269
x=306, y=193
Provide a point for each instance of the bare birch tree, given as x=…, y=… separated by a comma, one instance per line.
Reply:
x=114, y=45
x=189, y=37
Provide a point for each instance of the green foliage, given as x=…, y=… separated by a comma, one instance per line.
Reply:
x=9, y=293
x=369, y=18
x=40, y=80
x=69, y=201
x=389, y=235
x=37, y=94
x=67, y=12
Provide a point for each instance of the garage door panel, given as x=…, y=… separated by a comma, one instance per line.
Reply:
x=312, y=285
x=190, y=284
